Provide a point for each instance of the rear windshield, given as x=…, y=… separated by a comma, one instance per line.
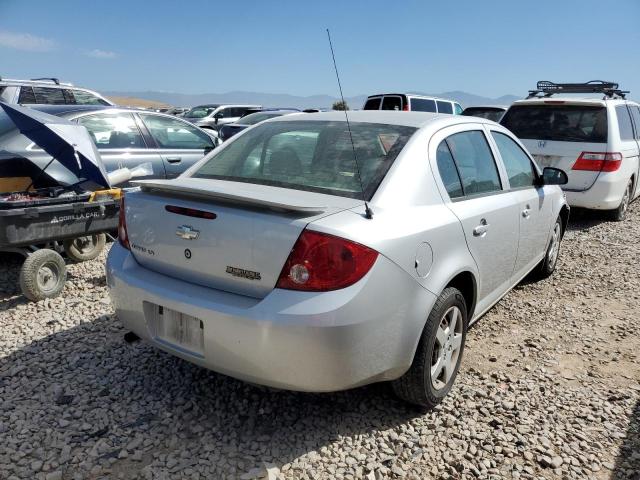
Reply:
x=314, y=156
x=494, y=114
x=565, y=123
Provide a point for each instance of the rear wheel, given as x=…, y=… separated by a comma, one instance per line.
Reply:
x=81, y=249
x=437, y=359
x=43, y=275
x=620, y=213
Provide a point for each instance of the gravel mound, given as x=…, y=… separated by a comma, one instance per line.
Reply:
x=549, y=388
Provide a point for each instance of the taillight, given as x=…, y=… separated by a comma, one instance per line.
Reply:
x=320, y=262
x=405, y=108
x=598, y=161
x=123, y=237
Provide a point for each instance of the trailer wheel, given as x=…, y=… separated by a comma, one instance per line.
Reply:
x=81, y=249
x=43, y=275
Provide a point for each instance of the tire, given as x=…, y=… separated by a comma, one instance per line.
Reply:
x=43, y=275
x=417, y=385
x=81, y=249
x=620, y=213
x=547, y=265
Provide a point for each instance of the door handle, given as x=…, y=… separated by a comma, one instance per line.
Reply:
x=481, y=230
x=174, y=159
x=526, y=212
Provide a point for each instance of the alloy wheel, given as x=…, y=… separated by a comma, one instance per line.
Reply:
x=447, y=348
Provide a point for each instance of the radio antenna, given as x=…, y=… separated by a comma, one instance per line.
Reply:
x=367, y=211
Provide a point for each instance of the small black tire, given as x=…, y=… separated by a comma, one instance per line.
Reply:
x=547, y=265
x=416, y=386
x=42, y=275
x=82, y=249
x=620, y=213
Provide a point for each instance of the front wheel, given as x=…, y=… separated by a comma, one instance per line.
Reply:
x=620, y=213
x=437, y=359
x=547, y=266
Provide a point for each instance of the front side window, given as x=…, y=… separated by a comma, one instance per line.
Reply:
x=86, y=98
x=172, y=133
x=475, y=162
x=111, y=131
x=392, y=103
x=49, y=96
x=372, y=104
x=457, y=109
x=517, y=163
x=624, y=123
x=314, y=156
x=448, y=171
x=564, y=123
x=200, y=112
x=444, y=107
x=26, y=96
x=423, y=105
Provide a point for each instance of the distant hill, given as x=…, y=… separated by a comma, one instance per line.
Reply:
x=285, y=100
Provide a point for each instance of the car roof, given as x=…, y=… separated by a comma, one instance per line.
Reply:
x=391, y=117
x=61, y=110
x=555, y=100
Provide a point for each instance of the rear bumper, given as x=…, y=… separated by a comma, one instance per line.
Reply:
x=293, y=340
x=605, y=194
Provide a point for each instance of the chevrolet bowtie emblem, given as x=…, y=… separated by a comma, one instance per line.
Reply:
x=187, y=232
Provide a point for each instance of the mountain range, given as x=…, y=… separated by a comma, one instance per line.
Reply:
x=293, y=101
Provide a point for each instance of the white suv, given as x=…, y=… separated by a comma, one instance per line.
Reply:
x=409, y=102
x=596, y=141
x=47, y=91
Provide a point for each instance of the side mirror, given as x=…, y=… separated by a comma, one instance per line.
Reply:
x=554, y=176
x=217, y=117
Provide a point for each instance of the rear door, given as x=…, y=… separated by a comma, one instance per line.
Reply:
x=487, y=211
x=535, y=202
x=179, y=143
x=557, y=132
x=121, y=143
x=635, y=114
x=628, y=142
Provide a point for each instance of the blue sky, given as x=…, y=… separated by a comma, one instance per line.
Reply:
x=485, y=47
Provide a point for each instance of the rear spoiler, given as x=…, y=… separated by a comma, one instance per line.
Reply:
x=251, y=195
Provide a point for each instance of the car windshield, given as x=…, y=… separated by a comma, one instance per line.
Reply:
x=254, y=118
x=494, y=114
x=314, y=156
x=566, y=123
x=199, y=112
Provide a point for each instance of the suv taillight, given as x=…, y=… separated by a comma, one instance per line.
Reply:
x=123, y=237
x=320, y=262
x=598, y=161
x=406, y=107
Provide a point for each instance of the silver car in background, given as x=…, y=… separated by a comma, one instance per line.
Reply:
x=263, y=262
x=213, y=116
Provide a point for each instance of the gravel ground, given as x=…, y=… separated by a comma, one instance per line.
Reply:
x=549, y=388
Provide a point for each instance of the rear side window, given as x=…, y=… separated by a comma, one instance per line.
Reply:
x=624, y=123
x=372, y=104
x=392, y=103
x=444, y=107
x=26, y=95
x=423, y=105
x=448, y=171
x=635, y=113
x=475, y=162
x=564, y=123
x=49, y=96
x=517, y=163
x=172, y=133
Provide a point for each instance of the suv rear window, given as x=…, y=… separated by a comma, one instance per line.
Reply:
x=313, y=156
x=372, y=104
x=564, y=123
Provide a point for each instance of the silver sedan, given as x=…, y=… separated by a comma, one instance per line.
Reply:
x=309, y=255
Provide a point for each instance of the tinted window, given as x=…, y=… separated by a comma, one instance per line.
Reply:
x=310, y=155
x=87, y=98
x=423, y=105
x=26, y=95
x=444, y=107
x=199, y=112
x=448, y=171
x=517, y=163
x=113, y=130
x=254, y=118
x=50, y=96
x=494, y=114
x=392, y=103
x=458, y=109
x=372, y=104
x=624, y=122
x=172, y=133
x=565, y=123
x=475, y=162
x=635, y=113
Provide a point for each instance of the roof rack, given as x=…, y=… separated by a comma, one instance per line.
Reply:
x=545, y=88
x=52, y=79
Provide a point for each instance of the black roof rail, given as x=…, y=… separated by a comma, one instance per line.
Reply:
x=53, y=79
x=545, y=88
